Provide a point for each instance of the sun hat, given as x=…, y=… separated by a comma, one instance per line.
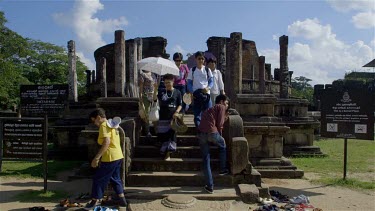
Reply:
x=114, y=123
x=178, y=125
x=187, y=98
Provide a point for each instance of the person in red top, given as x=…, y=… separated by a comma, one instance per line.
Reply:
x=210, y=130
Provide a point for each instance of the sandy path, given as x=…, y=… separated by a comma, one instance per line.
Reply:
x=322, y=196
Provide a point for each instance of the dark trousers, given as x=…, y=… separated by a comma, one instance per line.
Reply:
x=107, y=172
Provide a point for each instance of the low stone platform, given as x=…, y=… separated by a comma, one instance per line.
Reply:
x=152, y=193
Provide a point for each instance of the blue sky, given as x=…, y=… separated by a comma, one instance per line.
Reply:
x=326, y=38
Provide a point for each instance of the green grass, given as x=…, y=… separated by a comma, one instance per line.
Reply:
x=350, y=183
x=24, y=169
x=361, y=161
x=40, y=196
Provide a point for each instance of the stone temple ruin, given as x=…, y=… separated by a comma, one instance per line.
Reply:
x=265, y=125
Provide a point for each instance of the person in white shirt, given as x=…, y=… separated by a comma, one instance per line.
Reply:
x=218, y=87
x=200, y=81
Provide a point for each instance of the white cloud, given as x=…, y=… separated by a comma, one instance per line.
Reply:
x=365, y=11
x=372, y=42
x=322, y=58
x=89, y=63
x=300, y=52
x=364, y=20
x=178, y=48
x=88, y=28
x=352, y=5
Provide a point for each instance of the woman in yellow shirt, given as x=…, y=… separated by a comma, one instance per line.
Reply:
x=111, y=157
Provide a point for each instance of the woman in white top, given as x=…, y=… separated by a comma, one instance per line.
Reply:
x=218, y=87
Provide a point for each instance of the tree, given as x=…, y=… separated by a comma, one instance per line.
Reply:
x=302, y=89
x=28, y=61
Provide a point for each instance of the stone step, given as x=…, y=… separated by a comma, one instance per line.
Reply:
x=145, y=151
x=174, y=164
x=192, y=130
x=311, y=149
x=281, y=173
x=154, y=193
x=173, y=178
x=182, y=140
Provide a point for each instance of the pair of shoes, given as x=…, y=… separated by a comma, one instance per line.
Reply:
x=122, y=202
x=224, y=172
x=208, y=189
x=167, y=156
x=92, y=203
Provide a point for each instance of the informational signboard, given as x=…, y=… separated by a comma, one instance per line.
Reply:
x=347, y=113
x=23, y=138
x=37, y=100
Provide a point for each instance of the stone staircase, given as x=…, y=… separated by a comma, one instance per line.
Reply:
x=149, y=169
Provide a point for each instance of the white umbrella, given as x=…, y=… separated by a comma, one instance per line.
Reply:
x=158, y=65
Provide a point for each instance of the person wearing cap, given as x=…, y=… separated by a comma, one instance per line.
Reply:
x=170, y=101
x=211, y=130
x=218, y=87
x=180, y=81
x=111, y=157
x=200, y=81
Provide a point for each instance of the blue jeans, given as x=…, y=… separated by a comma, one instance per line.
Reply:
x=218, y=140
x=199, y=106
x=107, y=172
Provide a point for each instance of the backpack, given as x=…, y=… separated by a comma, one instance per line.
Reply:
x=195, y=67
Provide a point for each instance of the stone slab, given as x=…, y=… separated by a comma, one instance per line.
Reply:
x=249, y=193
x=152, y=193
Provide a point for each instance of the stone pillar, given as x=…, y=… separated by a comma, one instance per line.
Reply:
x=73, y=91
x=120, y=63
x=93, y=77
x=88, y=81
x=133, y=73
x=284, y=70
x=139, y=48
x=103, y=77
x=233, y=75
x=262, y=70
x=268, y=72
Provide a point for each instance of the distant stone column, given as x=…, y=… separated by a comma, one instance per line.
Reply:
x=93, y=76
x=139, y=48
x=73, y=91
x=103, y=77
x=233, y=75
x=284, y=70
x=268, y=72
x=262, y=70
x=133, y=58
x=88, y=81
x=120, y=63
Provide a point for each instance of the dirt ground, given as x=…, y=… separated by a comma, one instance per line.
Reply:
x=321, y=196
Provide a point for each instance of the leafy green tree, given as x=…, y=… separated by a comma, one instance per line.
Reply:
x=28, y=61
x=302, y=89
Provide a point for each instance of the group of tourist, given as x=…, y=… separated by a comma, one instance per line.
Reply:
x=204, y=85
